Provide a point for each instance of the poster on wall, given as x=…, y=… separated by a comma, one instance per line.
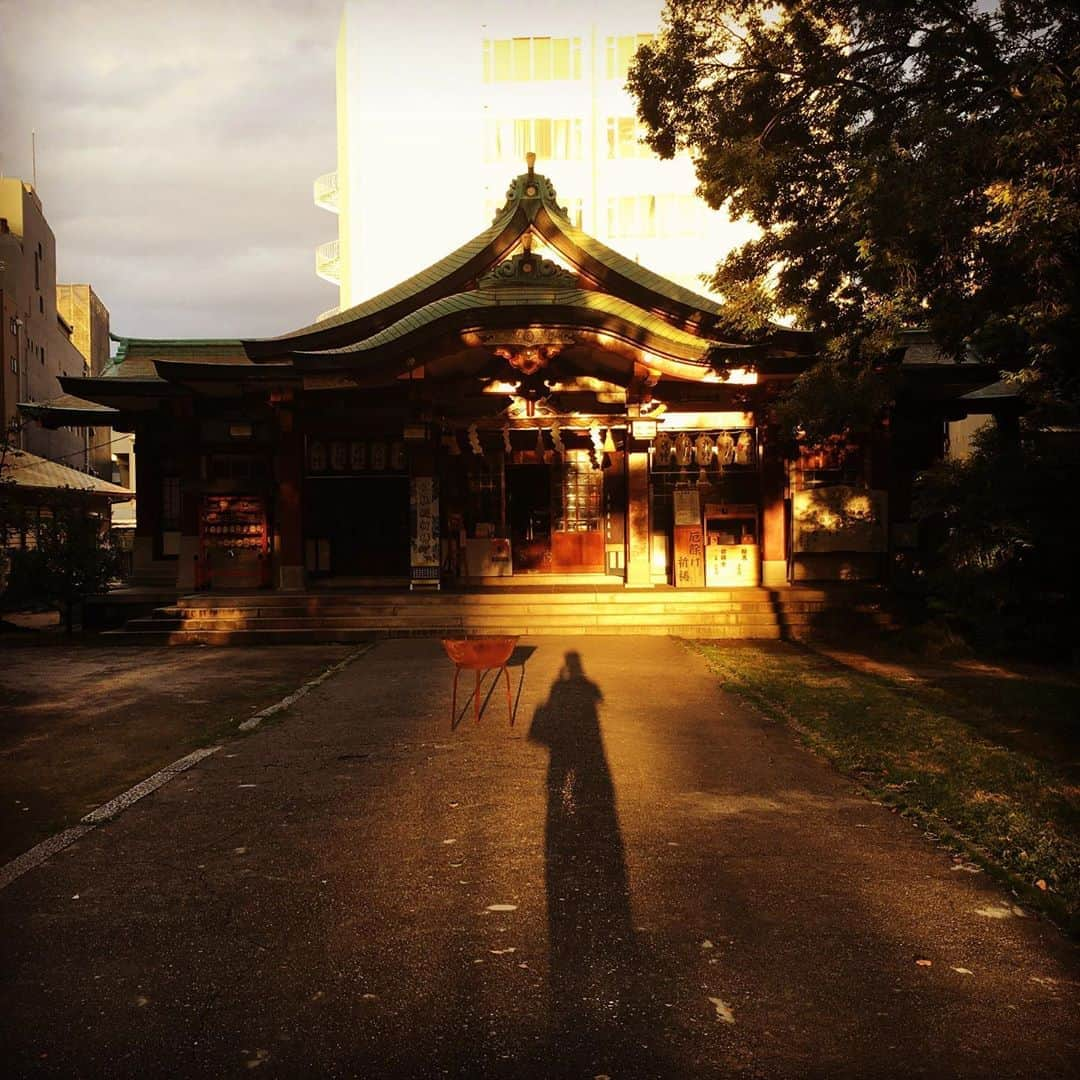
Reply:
x=838, y=518
x=687, y=504
x=425, y=552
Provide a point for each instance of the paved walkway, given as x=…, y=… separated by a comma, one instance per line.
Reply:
x=642, y=878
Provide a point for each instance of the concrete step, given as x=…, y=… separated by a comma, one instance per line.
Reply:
x=320, y=635
x=512, y=598
x=413, y=620
x=455, y=611
x=752, y=612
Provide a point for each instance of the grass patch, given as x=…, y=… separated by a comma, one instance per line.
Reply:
x=929, y=753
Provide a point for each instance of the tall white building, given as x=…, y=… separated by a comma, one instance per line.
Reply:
x=438, y=103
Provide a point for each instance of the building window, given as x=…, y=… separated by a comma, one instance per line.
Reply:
x=531, y=59
x=620, y=51
x=644, y=216
x=41, y=304
x=557, y=139
x=37, y=270
x=624, y=138
x=122, y=470
x=631, y=216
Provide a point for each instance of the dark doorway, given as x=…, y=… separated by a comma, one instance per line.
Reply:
x=529, y=516
x=365, y=522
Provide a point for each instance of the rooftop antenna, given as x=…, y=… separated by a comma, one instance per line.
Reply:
x=33, y=155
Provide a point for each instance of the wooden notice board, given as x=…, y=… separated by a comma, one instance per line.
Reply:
x=689, y=557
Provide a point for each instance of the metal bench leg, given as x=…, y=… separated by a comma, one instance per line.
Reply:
x=509, y=706
x=476, y=699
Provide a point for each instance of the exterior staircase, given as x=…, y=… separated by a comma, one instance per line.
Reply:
x=794, y=612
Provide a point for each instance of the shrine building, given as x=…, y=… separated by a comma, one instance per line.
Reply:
x=533, y=407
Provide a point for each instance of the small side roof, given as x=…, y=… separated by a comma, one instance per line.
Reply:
x=28, y=472
x=69, y=409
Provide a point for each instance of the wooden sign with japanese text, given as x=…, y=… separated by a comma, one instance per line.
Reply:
x=689, y=557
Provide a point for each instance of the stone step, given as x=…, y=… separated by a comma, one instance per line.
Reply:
x=751, y=612
x=406, y=610
x=413, y=620
x=320, y=635
x=326, y=601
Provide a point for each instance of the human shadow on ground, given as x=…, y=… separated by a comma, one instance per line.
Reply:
x=599, y=987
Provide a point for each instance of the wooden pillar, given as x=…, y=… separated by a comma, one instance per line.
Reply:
x=289, y=507
x=774, y=553
x=189, y=457
x=638, y=563
x=147, y=507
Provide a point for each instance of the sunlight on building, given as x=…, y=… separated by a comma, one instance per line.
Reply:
x=441, y=108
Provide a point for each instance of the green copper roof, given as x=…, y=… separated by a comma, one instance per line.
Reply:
x=572, y=308
x=531, y=207
x=448, y=275
x=135, y=357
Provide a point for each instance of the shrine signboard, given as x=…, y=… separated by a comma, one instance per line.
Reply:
x=425, y=549
x=689, y=540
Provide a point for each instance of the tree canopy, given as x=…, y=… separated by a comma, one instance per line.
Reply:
x=913, y=164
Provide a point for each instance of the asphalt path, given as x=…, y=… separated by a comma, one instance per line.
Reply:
x=641, y=878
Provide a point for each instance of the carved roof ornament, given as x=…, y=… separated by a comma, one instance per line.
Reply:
x=528, y=268
x=528, y=350
x=530, y=189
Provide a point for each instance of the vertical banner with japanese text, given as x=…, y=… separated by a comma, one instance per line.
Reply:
x=425, y=549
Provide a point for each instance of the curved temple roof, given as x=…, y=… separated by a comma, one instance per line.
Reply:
x=493, y=284
x=531, y=209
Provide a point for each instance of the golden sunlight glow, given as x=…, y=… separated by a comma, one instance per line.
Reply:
x=742, y=377
x=708, y=420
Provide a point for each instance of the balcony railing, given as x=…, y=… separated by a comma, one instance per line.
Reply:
x=326, y=192
x=328, y=261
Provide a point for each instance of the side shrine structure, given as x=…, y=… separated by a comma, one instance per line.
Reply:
x=532, y=407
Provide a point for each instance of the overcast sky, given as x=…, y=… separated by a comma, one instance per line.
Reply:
x=177, y=143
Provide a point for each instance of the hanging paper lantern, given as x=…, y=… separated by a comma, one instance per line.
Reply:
x=474, y=441
x=540, y=441
x=506, y=438
x=609, y=442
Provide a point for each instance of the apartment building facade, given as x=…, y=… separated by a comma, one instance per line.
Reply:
x=111, y=452
x=486, y=86
x=38, y=348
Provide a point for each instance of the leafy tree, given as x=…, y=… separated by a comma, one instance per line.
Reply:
x=10, y=512
x=1003, y=568
x=70, y=558
x=907, y=164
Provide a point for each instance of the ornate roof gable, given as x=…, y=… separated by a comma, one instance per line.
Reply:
x=531, y=270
